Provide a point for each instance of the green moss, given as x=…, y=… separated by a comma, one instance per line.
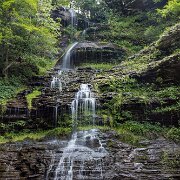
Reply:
x=133, y=132
x=9, y=88
x=174, y=134
x=99, y=66
x=128, y=137
x=13, y=137
x=170, y=163
x=86, y=128
x=31, y=96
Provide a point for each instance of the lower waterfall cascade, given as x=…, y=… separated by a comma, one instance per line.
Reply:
x=82, y=158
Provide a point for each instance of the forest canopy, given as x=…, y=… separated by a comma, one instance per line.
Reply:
x=27, y=32
x=30, y=35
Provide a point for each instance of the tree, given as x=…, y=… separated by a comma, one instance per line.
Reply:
x=93, y=9
x=171, y=9
x=26, y=29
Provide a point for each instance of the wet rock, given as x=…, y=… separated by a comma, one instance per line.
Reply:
x=156, y=160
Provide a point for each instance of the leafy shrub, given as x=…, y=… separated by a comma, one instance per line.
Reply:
x=174, y=134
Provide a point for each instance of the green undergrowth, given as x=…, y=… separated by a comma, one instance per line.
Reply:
x=99, y=66
x=43, y=64
x=128, y=89
x=86, y=128
x=134, y=32
x=9, y=88
x=130, y=132
x=169, y=163
x=31, y=96
x=133, y=132
x=37, y=135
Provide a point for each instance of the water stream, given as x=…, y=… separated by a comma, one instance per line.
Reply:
x=83, y=106
x=66, y=64
x=82, y=158
x=73, y=17
x=56, y=83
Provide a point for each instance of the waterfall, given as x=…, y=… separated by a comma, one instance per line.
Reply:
x=80, y=159
x=83, y=105
x=73, y=17
x=56, y=83
x=84, y=34
x=67, y=57
x=83, y=156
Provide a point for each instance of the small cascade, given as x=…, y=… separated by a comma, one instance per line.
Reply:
x=59, y=72
x=56, y=115
x=66, y=65
x=73, y=17
x=84, y=33
x=56, y=83
x=82, y=158
x=83, y=106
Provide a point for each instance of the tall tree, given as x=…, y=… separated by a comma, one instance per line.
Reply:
x=26, y=29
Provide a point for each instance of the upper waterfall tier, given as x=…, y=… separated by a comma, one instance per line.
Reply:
x=91, y=52
x=73, y=17
x=66, y=64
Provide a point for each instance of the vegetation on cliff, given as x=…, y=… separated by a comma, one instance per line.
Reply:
x=144, y=86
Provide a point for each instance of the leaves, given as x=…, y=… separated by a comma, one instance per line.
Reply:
x=172, y=8
x=26, y=27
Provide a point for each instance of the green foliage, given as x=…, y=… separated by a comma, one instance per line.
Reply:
x=170, y=163
x=9, y=88
x=13, y=137
x=42, y=64
x=65, y=3
x=133, y=132
x=31, y=96
x=142, y=129
x=99, y=66
x=128, y=137
x=70, y=32
x=171, y=9
x=26, y=29
x=92, y=9
x=10, y=127
x=174, y=134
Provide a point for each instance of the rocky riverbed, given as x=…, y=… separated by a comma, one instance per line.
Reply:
x=153, y=159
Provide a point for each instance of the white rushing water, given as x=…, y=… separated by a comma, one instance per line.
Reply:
x=56, y=83
x=83, y=105
x=84, y=32
x=73, y=17
x=66, y=65
x=82, y=158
